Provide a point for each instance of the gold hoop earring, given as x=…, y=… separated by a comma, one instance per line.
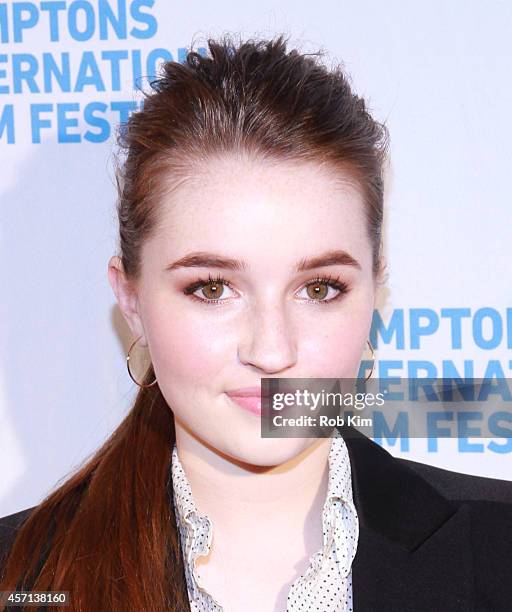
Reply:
x=373, y=360
x=128, y=366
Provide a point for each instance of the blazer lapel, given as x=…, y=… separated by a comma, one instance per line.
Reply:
x=414, y=549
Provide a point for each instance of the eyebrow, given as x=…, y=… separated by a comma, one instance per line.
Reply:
x=202, y=259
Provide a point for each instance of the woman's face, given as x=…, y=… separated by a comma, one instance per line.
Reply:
x=271, y=319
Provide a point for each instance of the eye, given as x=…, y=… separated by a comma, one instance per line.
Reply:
x=320, y=288
x=211, y=289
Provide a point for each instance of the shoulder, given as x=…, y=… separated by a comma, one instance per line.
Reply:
x=480, y=534
x=464, y=487
x=489, y=504
x=9, y=527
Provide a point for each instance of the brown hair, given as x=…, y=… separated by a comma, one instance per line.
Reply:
x=108, y=534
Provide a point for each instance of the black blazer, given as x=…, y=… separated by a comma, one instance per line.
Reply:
x=430, y=540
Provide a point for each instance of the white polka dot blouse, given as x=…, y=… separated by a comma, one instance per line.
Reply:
x=326, y=585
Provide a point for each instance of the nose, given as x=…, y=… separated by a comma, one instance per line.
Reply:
x=268, y=340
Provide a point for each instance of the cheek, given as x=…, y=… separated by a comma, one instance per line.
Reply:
x=334, y=347
x=185, y=348
x=335, y=355
x=187, y=361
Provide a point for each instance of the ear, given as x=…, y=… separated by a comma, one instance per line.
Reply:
x=382, y=274
x=127, y=298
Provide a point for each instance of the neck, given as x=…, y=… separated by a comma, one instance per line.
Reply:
x=233, y=493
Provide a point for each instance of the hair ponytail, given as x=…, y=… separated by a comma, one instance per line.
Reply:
x=108, y=535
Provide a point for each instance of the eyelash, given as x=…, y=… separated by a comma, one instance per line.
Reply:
x=334, y=282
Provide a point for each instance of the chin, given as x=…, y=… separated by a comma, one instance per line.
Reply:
x=267, y=452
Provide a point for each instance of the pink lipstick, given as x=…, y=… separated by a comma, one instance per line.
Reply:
x=248, y=398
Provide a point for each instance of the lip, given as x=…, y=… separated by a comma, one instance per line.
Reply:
x=249, y=398
x=245, y=392
x=256, y=391
x=250, y=403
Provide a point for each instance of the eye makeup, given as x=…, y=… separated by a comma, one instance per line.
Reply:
x=216, y=281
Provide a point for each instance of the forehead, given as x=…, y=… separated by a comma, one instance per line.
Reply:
x=235, y=202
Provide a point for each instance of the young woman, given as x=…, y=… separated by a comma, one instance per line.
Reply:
x=250, y=212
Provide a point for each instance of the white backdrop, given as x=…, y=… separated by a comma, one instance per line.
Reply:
x=437, y=72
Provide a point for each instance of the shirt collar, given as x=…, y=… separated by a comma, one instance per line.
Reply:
x=183, y=498
x=339, y=484
x=338, y=514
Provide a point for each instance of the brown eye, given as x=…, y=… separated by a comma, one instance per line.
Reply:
x=325, y=290
x=212, y=290
x=317, y=291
